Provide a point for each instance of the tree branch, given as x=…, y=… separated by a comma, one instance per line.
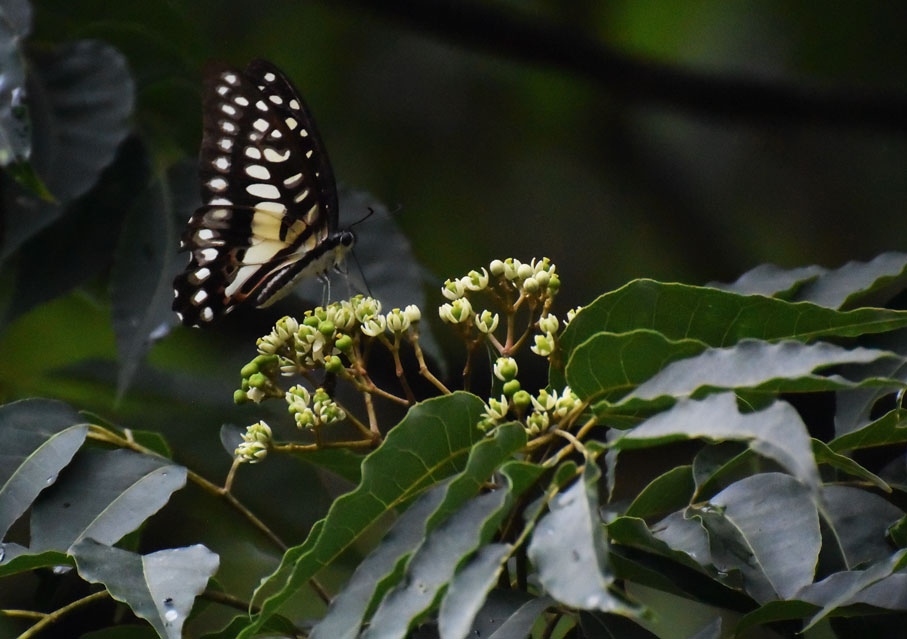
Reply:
x=504, y=32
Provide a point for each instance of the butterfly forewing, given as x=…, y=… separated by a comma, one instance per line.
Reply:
x=269, y=208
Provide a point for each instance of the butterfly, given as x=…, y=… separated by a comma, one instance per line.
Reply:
x=270, y=207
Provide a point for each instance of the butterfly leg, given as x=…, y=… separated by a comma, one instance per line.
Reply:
x=326, y=288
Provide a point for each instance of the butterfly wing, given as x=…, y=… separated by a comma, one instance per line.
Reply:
x=270, y=201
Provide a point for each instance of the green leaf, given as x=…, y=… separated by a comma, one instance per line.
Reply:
x=891, y=428
x=608, y=366
x=754, y=365
x=83, y=239
x=343, y=462
x=880, y=585
x=15, y=559
x=15, y=125
x=666, y=493
x=431, y=443
x=774, y=543
x=40, y=437
x=433, y=565
x=777, y=432
x=718, y=466
x=872, y=283
x=145, y=264
x=84, y=105
x=718, y=318
x=371, y=578
x=278, y=625
x=772, y=281
x=159, y=587
x=569, y=550
x=825, y=455
x=468, y=590
x=509, y=614
x=122, y=632
x=860, y=520
x=102, y=495
x=681, y=540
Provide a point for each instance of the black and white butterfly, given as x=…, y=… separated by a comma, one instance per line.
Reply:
x=269, y=213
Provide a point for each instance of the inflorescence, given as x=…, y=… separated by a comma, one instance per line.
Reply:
x=338, y=338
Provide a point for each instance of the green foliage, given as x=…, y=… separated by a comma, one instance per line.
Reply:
x=697, y=459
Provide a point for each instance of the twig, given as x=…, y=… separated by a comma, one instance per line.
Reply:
x=59, y=613
x=499, y=30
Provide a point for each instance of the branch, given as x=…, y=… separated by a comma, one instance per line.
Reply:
x=507, y=33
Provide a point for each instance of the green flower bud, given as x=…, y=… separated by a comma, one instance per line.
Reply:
x=249, y=369
x=326, y=328
x=239, y=397
x=544, y=345
x=511, y=387
x=344, y=343
x=333, y=364
x=505, y=368
x=521, y=399
x=554, y=284
x=311, y=321
x=258, y=380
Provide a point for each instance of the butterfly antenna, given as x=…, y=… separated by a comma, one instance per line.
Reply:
x=361, y=272
x=370, y=213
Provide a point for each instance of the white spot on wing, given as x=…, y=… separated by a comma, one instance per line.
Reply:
x=276, y=99
x=294, y=104
x=229, y=109
x=217, y=184
x=272, y=155
x=270, y=77
x=291, y=123
x=276, y=134
x=200, y=275
x=261, y=124
x=222, y=163
x=227, y=127
x=253, y=153
x=301, y=196
x=225, y=144
x=229, y=78
x=258, y=172
x=207, y=314
x=293, y=181
x=241, y=101
x=222, y=90
x=205, y=234
x=220, y=201
x=268, y=191
x=261, y=106
x=208, y=254
x=200, y=296
x=218, y=214
x=303, y=133
x=271, y=207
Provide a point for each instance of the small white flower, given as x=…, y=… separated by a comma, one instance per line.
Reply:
x=397, y=321
x=487, y=321
x=453, y=289
x=495, y=410
x=412, y=312
x=544, y=345
x=475, y=281
x=545, y=401
x=374, y=326
x=497, y=268
x=457, y=312
x=548, y=324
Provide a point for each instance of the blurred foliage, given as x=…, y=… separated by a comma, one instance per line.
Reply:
x=482, y=150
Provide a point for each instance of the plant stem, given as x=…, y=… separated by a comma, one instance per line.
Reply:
x=59, y=613
x=102, y=434
x=423, y=367
x=293, y=447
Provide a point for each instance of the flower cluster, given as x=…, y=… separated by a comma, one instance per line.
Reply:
x=255, y=444
x=313, y=410
x=538, y=277
x=545, y=408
